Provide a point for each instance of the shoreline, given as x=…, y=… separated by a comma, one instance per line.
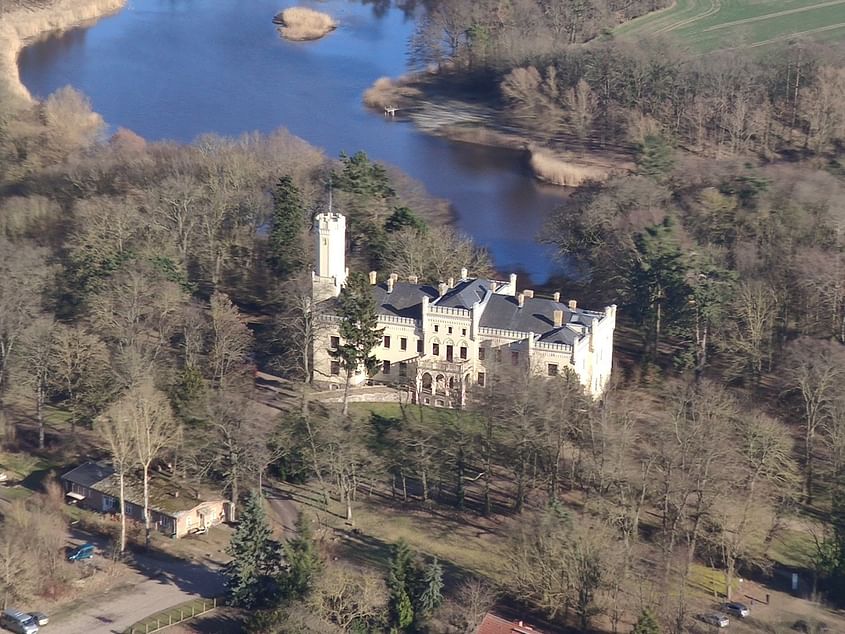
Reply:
x=450, y=116
x=21, y=26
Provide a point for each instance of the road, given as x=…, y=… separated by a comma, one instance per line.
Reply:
x=153, y=585
x=156, y=584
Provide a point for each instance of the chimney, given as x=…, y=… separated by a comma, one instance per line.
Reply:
x=390, y=282
x=464, y=273
x=556, y=296
x=528, y=292
x=573, y=304
x=442, y=288
x=451, y=282
x=513, y=283
x=373, y=277
x=413, y=279
x=520, y=299
x=557, y=317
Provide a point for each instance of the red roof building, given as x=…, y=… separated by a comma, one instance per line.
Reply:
x=492, y=624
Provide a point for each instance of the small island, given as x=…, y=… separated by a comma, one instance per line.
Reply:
x=302, y=24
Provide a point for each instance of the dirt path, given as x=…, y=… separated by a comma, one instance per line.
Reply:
x=283, y=509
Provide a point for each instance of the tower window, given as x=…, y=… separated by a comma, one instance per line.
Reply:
x=335, y=342
x=450, y=330
x=419, y=346
x=335, y=368
x=436, y=328
x=481, y=378
x=464, y=332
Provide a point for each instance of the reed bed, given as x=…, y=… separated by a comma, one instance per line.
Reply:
x=558, y=171
x=302, y=24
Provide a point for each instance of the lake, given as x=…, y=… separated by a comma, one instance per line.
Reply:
x=174, y=69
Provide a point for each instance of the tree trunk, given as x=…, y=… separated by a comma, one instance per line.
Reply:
x=39, y=414
x=147, y=539
x=121, y=479
x=345, y=410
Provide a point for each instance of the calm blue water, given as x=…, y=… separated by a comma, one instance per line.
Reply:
x=173, y=69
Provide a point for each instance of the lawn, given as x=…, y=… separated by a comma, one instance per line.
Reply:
x=707, y=25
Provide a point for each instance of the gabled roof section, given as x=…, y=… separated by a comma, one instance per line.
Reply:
x=466, y=293
x=88, y=474
x=404, y=301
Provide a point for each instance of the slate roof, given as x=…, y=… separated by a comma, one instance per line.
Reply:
x=466, y=293
x=404, y=301
x=88, y=474
x=536, y=315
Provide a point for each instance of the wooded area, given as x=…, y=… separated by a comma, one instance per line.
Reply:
x=142, y=284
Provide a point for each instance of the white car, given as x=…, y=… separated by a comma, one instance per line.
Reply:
x=715, y=618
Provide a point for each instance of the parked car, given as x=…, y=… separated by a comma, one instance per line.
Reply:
x=81, y=553
x=714, y=618
x=737, y=609
x=40, y=618
x=19, y=622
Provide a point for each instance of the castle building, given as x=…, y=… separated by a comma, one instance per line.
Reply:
x=438, y=341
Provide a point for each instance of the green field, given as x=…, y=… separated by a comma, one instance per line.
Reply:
x=707, y=25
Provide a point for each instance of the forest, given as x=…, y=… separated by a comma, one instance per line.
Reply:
x=143, y=285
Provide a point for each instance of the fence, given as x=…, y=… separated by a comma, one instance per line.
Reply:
x=174, y=615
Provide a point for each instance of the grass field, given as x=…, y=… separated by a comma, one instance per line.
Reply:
x=707, y=25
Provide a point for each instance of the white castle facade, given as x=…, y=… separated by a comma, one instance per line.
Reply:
x=439, y=341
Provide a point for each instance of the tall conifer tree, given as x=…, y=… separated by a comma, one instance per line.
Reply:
x=358, y=330
x=252, y=573
x=286, y=255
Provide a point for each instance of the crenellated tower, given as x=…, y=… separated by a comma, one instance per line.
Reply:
x=330, y=274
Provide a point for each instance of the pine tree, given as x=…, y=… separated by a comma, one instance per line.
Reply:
x=646, y=624
x=400, y=608
x=285, y=255
x=251, y=575
x=655, y=157
x=358, y=330
x=302, y=561
x=431, y=589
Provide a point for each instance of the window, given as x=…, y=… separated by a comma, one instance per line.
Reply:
x=403, y=343
x=387, y=341
x=464, y=332
x=385, y=367
x=450, y=329
x=419, y=346
x=514, y=357
x=481, y=379
x=335, y=368
x=450, y=353
x=463, y=352
x=435, y=349
x=403, y=368
x=553, y=369
x=498, y=355
x=482, y=353
x=436, y=328
x=335, y=342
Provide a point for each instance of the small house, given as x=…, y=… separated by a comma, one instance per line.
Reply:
x=172, y=511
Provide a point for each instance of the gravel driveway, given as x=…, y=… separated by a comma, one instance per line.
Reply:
x=155, y=585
